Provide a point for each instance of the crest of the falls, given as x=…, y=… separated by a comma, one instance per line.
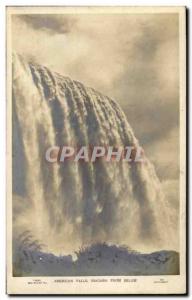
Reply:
x=69, y=204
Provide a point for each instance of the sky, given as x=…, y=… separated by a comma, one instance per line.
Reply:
x=131, y=58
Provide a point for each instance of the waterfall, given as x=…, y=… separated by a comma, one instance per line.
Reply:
x=66, y=205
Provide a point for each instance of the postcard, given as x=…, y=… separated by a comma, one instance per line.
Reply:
x=96, y=150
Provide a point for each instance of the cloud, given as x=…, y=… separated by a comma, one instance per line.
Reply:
x=50, y=24
x=148, y=87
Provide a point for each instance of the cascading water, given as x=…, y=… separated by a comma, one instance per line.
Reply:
x=69, y=204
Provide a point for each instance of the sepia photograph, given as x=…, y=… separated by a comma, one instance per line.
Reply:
x=96, y=126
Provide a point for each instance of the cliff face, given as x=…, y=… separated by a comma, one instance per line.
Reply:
x=70, y=204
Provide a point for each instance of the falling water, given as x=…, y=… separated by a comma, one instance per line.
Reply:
x=70, y=204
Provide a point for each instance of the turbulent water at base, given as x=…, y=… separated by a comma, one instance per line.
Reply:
x=67, y=205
